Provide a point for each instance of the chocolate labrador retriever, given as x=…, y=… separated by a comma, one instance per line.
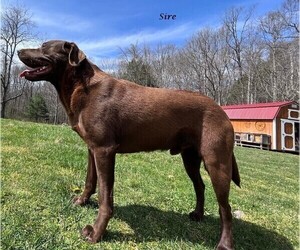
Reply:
x=117, y=116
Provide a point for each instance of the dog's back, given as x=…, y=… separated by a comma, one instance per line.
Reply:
x=145, y=119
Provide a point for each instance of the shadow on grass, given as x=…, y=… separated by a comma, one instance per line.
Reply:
x=152, y=224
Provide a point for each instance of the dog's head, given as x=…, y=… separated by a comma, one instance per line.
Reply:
x=50, y=60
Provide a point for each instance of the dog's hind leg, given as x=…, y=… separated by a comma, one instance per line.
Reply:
x=90, y=182
x=220, y=171
x=191, y=161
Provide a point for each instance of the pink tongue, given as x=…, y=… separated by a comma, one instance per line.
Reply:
x=22, y=74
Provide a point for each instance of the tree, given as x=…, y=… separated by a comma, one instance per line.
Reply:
x=162, y=61
x=134, y=67
x=16, y=28
x=57, y=112
x=281, y=38
x=37, y=108
x=236, y=23
x=289, y=12
x=138, y=71
x=207, y=54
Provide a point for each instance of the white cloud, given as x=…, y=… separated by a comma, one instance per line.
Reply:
x=61, y=21
x=145, y=36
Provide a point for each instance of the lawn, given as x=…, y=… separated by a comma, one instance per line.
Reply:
x=43, y=168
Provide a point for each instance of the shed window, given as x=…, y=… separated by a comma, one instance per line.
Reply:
x=294, y=114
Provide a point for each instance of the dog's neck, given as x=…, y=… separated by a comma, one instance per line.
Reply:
x=71, y=81
x=74, y=84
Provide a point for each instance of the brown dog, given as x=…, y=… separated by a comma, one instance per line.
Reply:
x=117, y=116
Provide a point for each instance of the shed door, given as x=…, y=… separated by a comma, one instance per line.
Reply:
x=289, y=135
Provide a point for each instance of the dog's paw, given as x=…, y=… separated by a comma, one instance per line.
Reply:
x=79, y=201
x=224, y=247
x=88, y=233
x=194, y=216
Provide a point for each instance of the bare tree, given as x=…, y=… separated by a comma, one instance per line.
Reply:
x=272, y=28
x=289, y=12
x=181, y=75
x=281, y=37
x=16, y=28
x=290, y=16
x=236, y=22
x=194, y=60
x=209, y=56
x=56, y=110
x=162, y=62
x=253, y=62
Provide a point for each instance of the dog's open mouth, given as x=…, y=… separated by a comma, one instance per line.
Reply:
x=36, y=72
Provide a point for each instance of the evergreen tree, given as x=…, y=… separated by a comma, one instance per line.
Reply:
x=139, y=72
x=37, y=108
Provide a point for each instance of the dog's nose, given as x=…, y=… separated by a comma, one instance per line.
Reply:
x=19, y=51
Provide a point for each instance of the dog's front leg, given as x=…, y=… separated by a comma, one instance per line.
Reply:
x=90, y=182
x=105, y=162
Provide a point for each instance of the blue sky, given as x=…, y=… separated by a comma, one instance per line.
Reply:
x=102, y=27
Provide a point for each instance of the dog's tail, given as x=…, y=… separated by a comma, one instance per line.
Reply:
x=235, y=172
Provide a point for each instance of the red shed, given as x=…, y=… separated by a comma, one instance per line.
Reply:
x=266, y=125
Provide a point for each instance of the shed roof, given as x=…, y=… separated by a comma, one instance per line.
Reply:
x=258, y=111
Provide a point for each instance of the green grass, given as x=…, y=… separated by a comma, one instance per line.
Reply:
x=44, y=166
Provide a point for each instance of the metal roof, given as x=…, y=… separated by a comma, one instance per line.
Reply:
x=258, y=111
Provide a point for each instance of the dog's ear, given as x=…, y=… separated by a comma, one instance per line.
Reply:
x=76, y=56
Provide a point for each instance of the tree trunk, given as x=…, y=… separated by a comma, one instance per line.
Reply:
x=274, y=80
x=3, y=105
